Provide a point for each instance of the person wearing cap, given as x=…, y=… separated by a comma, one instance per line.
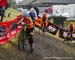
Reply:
x=33, y=14
x=29, y=28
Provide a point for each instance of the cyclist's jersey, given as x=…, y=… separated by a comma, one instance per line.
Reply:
x=28, y=21
x=38, y=22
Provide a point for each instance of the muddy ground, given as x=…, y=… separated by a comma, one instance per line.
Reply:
x=46, y=48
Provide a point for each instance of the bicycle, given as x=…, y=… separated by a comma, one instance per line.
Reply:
x=22, y=38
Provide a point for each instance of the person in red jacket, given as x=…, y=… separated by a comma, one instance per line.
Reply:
x=70, y=31
x=71, y=27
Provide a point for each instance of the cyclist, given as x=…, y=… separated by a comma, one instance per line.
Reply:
x=29, y=29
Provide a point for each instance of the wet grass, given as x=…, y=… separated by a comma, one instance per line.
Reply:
x=13, y=14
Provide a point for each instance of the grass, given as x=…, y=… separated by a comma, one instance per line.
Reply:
x=69, y=22
x=13, y=14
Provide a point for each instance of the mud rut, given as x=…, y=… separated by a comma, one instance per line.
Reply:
x=44, y=47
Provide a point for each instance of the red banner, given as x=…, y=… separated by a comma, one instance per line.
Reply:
x=8, y=30
x=3, y=3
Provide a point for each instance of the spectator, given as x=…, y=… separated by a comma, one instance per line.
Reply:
x=33, y=14
x=44, y=19
x=71, y=27
x=37, y=10
x=70, y=31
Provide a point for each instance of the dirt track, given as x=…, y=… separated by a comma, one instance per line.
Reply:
x=46, y=48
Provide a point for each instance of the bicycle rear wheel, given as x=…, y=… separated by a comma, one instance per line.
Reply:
x=21, y=44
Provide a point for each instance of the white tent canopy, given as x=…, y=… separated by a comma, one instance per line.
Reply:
x=64, y=10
